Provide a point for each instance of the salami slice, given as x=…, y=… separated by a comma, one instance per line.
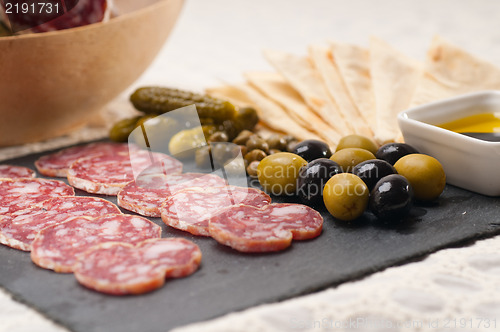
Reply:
x=56, y=247
x=19, y=229
x=57, y=164
x=18, y=194
x=190, y=209
x=107, y=174
x=145, y=195
x=270, y=228
x=16, y=172
x=120, y=268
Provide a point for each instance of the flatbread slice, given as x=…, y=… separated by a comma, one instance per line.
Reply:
x=353, y=63
x=231, y=93
x=274, y=116
x=304, y=78
x=395, y=78
x=275, y=87
x=325, y=64
x=450, y=71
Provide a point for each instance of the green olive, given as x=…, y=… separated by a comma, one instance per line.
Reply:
x=155, y=130
x=273, y=151
x=243, y=137
x=255, y=155
x=357, y=141
x=122, y=129
x=345, y=196
x=255, y=142
x=278, y=173
x=276, y=141
x=183, y=145
x=425, y=174
x=349, y=157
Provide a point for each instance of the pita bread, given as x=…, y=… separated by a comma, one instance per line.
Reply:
x=451, y=71
x=395, y=79
x=325, y=65
x=353, y=63
x=231, y=93
x=276, y=88
x=303, y=77
x=274, y=116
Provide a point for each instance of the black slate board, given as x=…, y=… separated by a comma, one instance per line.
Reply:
x=228, y=281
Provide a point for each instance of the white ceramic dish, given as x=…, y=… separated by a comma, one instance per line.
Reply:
x=469, y=163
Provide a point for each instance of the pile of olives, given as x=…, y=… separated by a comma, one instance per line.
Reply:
x=253, y=148
x=217, y=120
x=357, y=177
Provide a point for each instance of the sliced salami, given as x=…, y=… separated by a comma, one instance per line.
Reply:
x=190, y=209
x=120, y=268
x=107, y=174
x=57, y=247
x=270, y=228
x=57, y=164
x=18, y=194
x=18, y=230
x=145, y=195
x=16, y=172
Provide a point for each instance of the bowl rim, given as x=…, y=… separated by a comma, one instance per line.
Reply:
x=96, y=25
x=405, y=116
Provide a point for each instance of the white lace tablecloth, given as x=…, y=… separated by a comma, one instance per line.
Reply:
x=214, y=42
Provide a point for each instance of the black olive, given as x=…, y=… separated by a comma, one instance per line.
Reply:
x=313, y=177
x=311, y=149
x=391, y=152
x=371, y=171
x=391, y=198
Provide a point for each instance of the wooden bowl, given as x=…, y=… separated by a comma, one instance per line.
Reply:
x=54, y=82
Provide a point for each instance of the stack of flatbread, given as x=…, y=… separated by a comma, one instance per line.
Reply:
x=340, y=89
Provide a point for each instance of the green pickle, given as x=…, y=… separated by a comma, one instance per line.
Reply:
x=122, y=129
x=161, y=100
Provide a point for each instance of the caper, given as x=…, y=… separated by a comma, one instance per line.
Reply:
x=289, y=138
x=243, y=137
x=254, y=155
x=291, y=146
x=208, y=130
x=230, y=128
x=222, y=153
x=122, y=129
x=252, y=168
x=218, y=136
x=255, y=142
x=202, y=157
x=243, y=149
x=276, y=141
x=246, y=118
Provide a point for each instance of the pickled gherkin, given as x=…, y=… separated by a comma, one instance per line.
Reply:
x=122, y=129
x=160, y=100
